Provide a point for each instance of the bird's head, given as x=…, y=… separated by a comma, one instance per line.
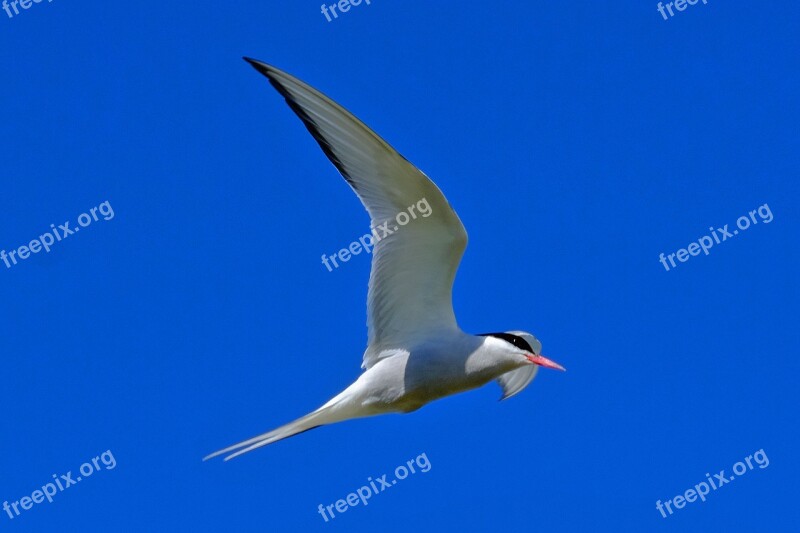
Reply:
x=522, y=347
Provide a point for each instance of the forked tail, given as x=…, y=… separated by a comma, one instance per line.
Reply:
x=323, y=415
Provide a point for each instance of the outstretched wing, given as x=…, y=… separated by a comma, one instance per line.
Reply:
x=416, y=254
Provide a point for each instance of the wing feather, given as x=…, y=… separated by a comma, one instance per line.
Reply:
x=413, y=268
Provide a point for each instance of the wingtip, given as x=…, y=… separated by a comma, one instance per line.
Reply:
x=258, y=65
x=255, y=63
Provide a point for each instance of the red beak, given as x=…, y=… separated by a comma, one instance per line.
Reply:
x=545, y=362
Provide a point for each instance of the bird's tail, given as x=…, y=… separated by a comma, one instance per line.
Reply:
x=327, y=414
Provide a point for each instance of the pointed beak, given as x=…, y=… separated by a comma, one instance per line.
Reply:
x=545, y=362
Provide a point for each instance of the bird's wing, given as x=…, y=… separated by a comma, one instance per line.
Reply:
x=416, y=255
x=513, y=382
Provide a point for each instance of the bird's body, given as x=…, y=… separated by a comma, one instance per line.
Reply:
x=431, y=369
x=416, y=352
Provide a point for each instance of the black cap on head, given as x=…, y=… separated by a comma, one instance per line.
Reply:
x=516, y=340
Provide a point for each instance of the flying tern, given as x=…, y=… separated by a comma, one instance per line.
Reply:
x=416, y=353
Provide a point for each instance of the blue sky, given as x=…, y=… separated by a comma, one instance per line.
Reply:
x=577, y=143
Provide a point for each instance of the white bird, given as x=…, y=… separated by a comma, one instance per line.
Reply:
x=416, y=352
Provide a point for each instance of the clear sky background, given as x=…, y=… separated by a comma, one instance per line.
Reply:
x=576, y=142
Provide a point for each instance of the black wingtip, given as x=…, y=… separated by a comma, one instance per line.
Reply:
x=256, y=64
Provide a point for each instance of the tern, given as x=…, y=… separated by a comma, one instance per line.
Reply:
x=416, y=353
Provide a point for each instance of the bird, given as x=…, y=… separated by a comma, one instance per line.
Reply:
x=416, y=353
